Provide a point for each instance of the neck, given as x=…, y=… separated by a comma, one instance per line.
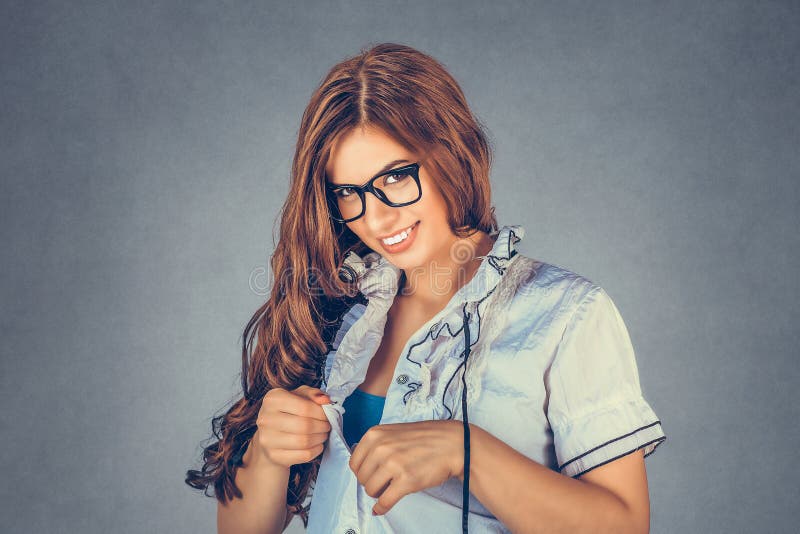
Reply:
x=437, y=281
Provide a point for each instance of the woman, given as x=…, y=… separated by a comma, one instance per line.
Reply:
x=410, y=363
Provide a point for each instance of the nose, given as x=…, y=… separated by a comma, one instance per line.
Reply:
x=378, y=216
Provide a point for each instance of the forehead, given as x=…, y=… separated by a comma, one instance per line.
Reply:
x=361, y=154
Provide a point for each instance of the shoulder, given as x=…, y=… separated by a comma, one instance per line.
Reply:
x=551, y=288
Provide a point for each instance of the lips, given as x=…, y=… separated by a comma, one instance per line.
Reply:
x=403, y=245
x=398, y=231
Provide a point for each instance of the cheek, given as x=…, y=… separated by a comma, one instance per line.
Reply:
x=357, y=227
x=431, y=194
x=432, y=206
x=363, y=233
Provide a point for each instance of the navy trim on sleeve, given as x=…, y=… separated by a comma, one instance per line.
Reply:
x=659, y=440
x=562, y=466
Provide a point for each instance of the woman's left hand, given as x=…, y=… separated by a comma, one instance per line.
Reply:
x=396, y=459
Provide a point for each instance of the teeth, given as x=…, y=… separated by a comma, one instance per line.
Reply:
x=399, y=237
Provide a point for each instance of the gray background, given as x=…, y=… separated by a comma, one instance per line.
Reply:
x=649, y=146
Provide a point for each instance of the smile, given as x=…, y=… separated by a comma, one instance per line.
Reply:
x=402, y=236
x=401, y=241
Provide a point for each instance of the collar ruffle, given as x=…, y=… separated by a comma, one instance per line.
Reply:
x=377, y=277
x=380, y=279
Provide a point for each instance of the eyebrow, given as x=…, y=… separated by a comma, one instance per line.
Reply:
x=385, y=168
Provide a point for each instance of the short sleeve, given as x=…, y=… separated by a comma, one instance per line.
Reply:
x=595, y=406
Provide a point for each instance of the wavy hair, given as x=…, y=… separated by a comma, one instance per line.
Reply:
x=412, y=98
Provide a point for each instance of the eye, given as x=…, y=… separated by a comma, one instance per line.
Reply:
x=345, y=193
x=396, y=179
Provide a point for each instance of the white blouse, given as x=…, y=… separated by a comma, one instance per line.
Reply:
x=550, y=371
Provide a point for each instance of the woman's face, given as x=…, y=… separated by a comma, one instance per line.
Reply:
x=361, y=154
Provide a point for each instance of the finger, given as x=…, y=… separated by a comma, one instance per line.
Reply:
x=310, y=392
x=321, y=397
x=293, y=424
x=357, y=456
x=287, y=402
x=377, y=482
x=370, y=457
x=294, y=442
x=271, y=437
x=397, y=490
x=363, y=448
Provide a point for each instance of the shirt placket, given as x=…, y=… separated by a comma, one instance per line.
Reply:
x=355, y=516
x=335, y=466
x=355, y=513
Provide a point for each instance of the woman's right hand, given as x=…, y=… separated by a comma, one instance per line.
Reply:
x=292, y=427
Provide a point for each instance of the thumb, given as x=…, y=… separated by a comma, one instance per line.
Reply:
x=311, y=393
x=319, y=396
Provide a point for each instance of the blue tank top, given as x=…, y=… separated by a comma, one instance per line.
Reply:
x=362, y=411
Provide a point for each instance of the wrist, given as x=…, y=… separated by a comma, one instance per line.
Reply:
x=257, y=457
x=458, y=437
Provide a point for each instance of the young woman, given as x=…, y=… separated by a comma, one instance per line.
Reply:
x=410, y=363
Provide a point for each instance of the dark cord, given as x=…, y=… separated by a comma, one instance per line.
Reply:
x=465, y=498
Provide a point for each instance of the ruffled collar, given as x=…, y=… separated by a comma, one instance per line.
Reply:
x=379, y=279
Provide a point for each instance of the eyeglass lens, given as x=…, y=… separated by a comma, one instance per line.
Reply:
x=398, y=188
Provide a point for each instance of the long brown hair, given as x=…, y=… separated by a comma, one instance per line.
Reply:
x=412, y=98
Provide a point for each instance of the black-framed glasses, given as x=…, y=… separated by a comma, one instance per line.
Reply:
x=396, y=187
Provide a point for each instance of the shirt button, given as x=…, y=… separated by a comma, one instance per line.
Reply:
x=402, y=379
x=349, y=531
